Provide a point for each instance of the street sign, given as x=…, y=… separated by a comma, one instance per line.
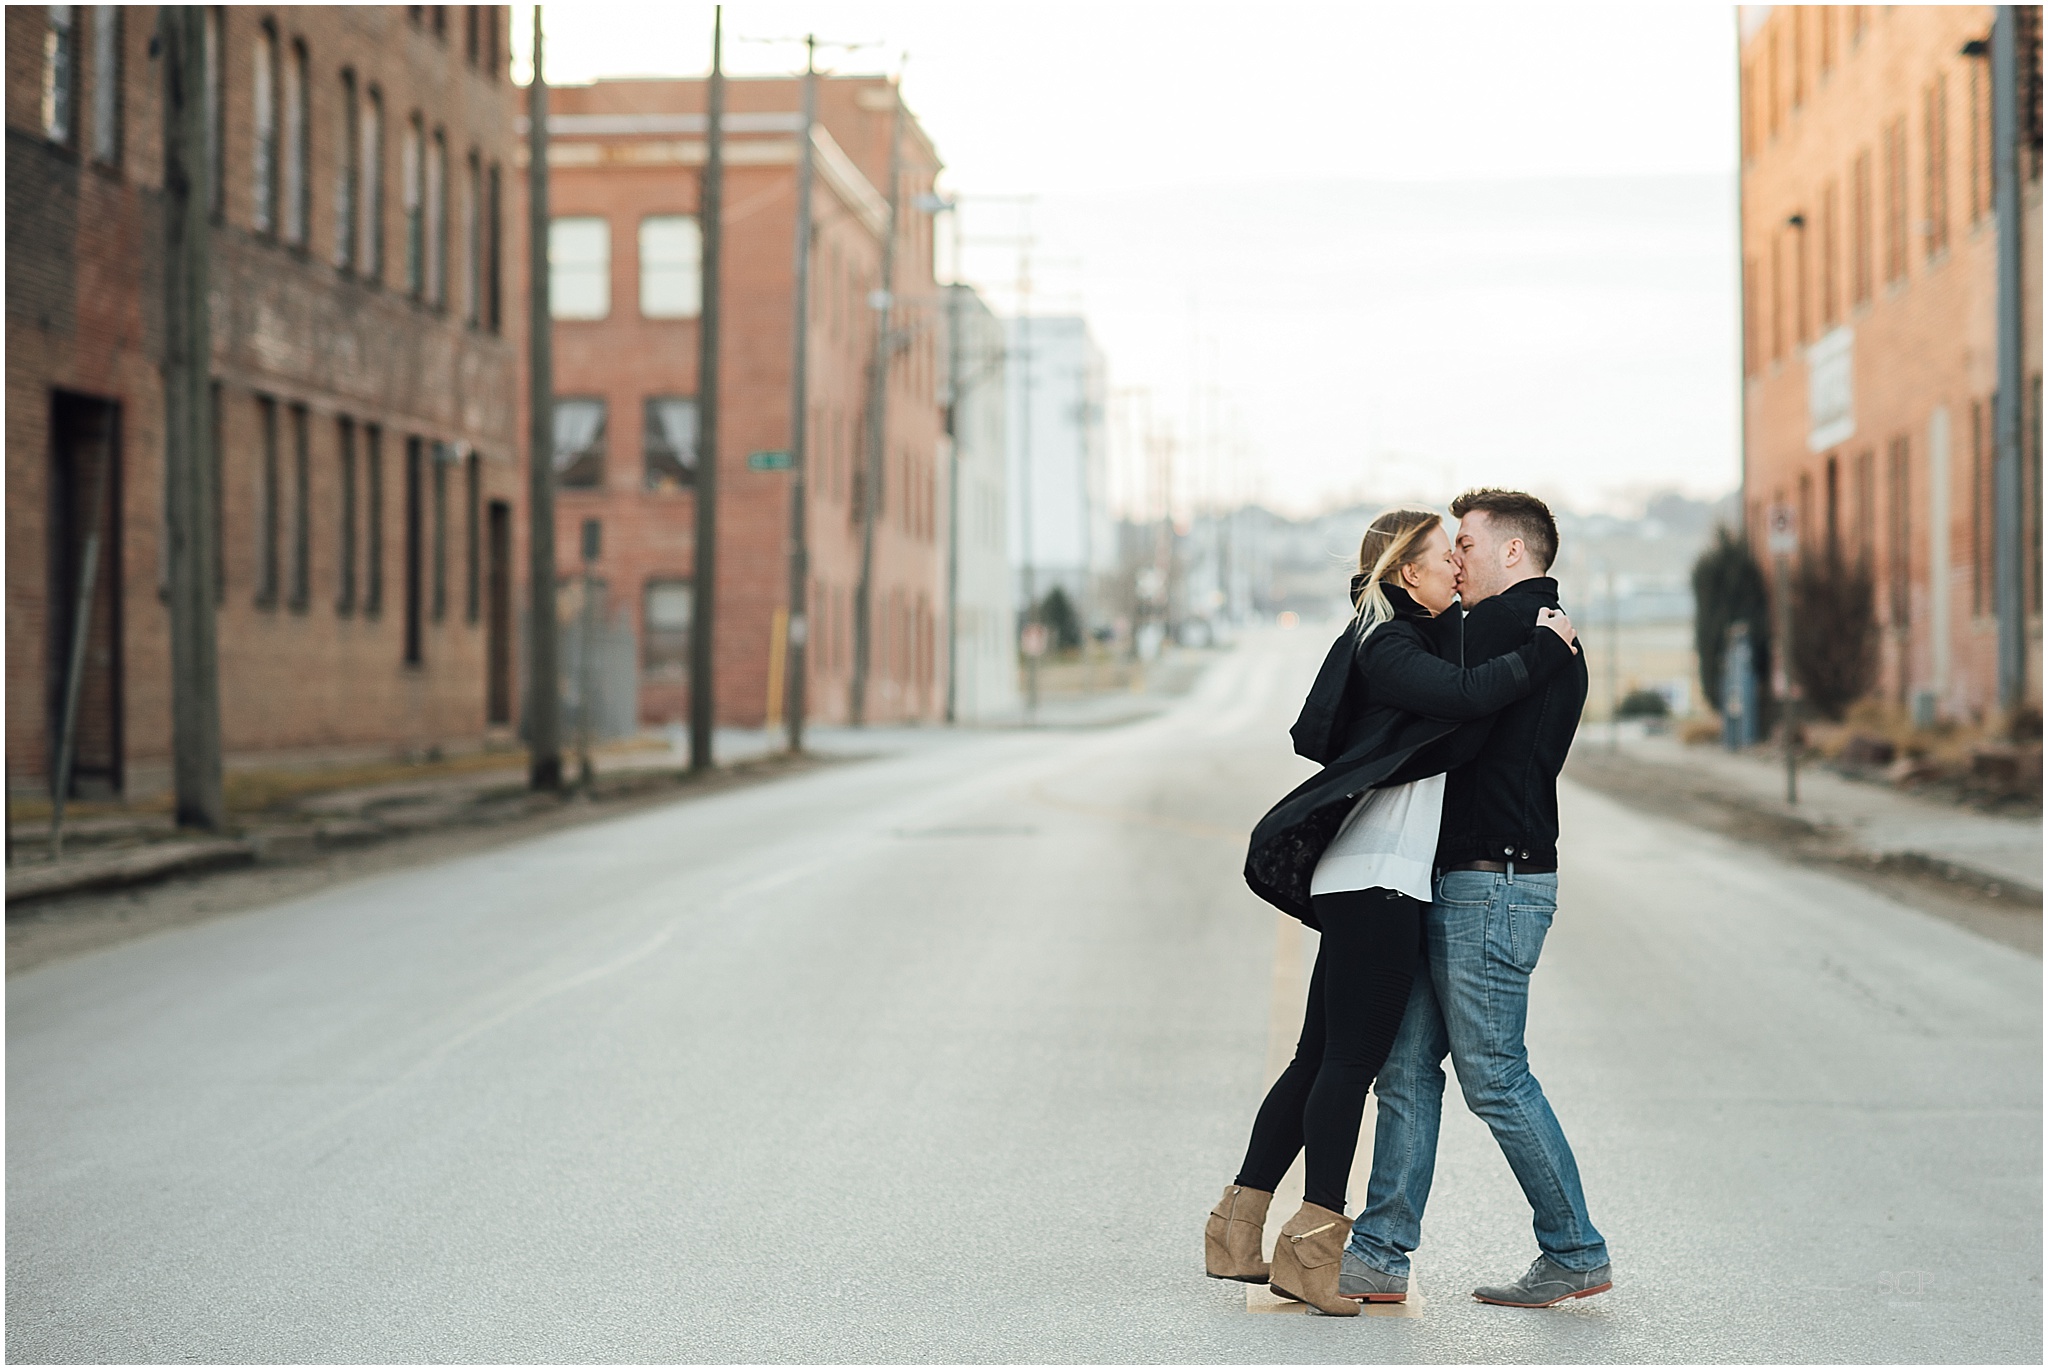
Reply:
x=768, y=461
x=1784, y=531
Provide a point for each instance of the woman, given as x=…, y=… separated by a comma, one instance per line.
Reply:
x=1350, y=853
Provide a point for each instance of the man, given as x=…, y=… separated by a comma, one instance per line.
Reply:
x=1496, y=890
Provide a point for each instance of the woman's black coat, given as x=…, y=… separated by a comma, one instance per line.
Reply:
x=1383, y=711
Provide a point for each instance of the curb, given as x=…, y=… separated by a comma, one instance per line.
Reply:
x=121, y=869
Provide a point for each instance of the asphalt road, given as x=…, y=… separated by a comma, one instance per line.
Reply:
x=944, y=1057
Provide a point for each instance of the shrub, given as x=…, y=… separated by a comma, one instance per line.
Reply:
x=1834, y=632
x=1643, y=704
x=1062, y=624
x=1728, y=588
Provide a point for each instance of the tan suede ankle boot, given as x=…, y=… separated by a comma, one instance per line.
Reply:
x=1236, y=1232
x=1308, y=1258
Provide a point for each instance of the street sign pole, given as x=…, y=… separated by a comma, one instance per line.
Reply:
x=1784, y=543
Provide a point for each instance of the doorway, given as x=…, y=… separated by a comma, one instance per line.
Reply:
x=85, y=510
x=498, y=616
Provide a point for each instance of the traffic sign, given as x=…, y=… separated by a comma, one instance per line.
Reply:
x=768, y=461
x=1784, y=531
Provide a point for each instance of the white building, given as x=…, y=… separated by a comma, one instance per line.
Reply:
x=984, y=663
x=1061, y=531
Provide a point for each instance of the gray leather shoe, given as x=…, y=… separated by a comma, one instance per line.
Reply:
x=1370, y=1284
x=1546, y=1283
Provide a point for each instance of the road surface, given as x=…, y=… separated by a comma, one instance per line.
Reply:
x=944, y=1056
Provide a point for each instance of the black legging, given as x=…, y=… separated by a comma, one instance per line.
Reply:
x=1372, y=940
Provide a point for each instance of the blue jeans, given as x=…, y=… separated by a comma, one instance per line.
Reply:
x=1483, y=934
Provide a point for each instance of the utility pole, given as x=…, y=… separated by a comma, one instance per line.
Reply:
x=2009, y=531
x=1034, y=632
x=189, y=473
x=543, y=663
x=882, y=301
x=953, y=290
x=710, y=209
x=1784, y=543
x=795, y=672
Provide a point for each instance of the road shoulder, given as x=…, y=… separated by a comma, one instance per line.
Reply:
x=2000, y=910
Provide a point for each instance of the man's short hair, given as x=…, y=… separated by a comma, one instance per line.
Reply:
x=1521, y=515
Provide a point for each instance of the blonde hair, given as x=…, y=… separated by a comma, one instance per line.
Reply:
x=1393, y=540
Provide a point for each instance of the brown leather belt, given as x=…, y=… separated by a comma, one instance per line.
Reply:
x=1501, y=867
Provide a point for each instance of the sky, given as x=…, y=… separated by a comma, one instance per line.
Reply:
x=1332, y=253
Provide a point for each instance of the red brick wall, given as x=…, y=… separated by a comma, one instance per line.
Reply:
x=1821, y=88
x=625, y=358
x=84, y=314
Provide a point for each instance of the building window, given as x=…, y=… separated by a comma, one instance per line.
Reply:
x=1798, y=13
x=437, y=220
x=1777, y=294
x=60, y=71
x=1866, y=507
x=671, y=443
x=215, y=107
x=666, y=606
x=1895, y=229
x=1899, y=555
x=1862, y=264
x=473, y=549
x=106, y=84
x=370, y=241
x=1983, y=513
x=267, y=512
x=491, y=61
x=443, y=458
x=579, y=268
x=415, y=549
x=345, y=438
x=494, y=255
x=412, y=187
x=347, y=175
x=1980, y=142
x=1830, y=252
x=263, y=94
x=579, y=444
x=473, y=240
x=671, y=267
x=469, y=34
x=302, y=512
x=1801, y=292
x=1749, y=343
x=297, y=136
x=1773, y=81
x=2031, y=504
x=217, y=415
x=373, y=526
x=1937, y=166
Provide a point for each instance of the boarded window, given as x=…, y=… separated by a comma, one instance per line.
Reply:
x=106, y=84
x=345, y=438
x=665, y=628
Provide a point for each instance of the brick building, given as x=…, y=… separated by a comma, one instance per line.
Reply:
x=625, y=160
x=1869, y=285
x=364, y=381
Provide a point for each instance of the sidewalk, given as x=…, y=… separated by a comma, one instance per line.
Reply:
x=1876, y=820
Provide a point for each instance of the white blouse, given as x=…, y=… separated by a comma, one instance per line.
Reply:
x=1387, y=842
